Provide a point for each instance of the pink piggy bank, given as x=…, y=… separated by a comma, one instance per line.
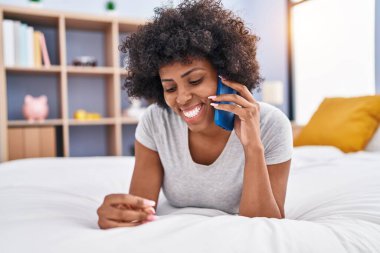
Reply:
x=35, y=108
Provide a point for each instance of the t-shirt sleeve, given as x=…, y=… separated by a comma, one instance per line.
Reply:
x=144, y=130
x=278, y=138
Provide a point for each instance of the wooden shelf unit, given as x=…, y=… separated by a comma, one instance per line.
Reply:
x=110, y=71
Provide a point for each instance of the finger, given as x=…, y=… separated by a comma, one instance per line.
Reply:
x=123, y=215
x=120, y=206
x=128, y=199
x=240, y=88
x=149, y=210
x=229, y=108
x=106, y=224
x=239, y=100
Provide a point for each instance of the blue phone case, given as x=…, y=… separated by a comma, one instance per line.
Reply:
x=224, y=119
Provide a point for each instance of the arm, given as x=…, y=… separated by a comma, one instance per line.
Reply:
x=148, y=173
x=264, y=187
x=129, y=210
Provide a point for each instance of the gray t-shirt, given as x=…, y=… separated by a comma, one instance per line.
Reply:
x=219, y=185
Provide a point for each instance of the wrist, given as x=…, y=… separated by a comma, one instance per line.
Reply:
x=253, y=149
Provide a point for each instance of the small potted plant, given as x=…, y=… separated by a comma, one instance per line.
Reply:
x=111, y=7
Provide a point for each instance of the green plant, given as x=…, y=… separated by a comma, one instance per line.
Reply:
x=110, y=5
x=35, y=1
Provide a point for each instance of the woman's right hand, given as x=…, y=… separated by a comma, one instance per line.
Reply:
x=125, y=210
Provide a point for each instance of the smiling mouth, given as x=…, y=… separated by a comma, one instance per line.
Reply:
x=193, y=112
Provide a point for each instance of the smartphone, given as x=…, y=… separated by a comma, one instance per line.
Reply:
x=224, y=119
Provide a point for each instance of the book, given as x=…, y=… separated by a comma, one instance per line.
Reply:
x=23, y=44
x=8, y=43
x=17, y=42
x=37, y=57
x=45, y=54
x=30, y=46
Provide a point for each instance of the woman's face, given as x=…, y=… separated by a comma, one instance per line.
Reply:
x=186, y=88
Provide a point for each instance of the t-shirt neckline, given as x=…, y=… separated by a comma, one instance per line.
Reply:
x=186, y=129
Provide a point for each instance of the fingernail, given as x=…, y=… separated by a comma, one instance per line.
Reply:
x=221, y=77
x=149, y=202
x=214, y=104
x=151, y=218
x=151, y=210
x=211, y=97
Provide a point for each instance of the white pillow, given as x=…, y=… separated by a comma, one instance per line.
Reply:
x=374, y=143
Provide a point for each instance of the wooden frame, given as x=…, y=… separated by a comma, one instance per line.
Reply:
x=291, y=4
x=112, y=27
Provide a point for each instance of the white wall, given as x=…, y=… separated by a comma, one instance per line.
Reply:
x=126, y=8
x=333, y=56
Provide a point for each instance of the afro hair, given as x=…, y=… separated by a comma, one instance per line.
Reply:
x=200, y=29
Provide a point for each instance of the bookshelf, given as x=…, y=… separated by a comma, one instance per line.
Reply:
x=68, y=87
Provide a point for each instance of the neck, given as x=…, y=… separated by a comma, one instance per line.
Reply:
x=213, y=131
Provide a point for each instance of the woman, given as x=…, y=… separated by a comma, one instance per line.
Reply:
x=175, y=61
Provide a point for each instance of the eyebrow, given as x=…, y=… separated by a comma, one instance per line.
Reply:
x=184, y=74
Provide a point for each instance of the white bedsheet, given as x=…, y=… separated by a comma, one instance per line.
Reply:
x=49, y=205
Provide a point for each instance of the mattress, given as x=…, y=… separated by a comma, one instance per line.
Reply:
x=50, y=204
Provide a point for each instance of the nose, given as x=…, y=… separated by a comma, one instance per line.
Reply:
x=183, y=96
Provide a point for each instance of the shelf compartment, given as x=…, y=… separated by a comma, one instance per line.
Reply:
x=75, y=70
x=36, y=85
x=125, y=103
x=91, y=140
x=37, y=141
x=48, y=122
x=49, y=29
x=100, y=101
x=128, y=136
x=126, y=27
x=123, y=62
x=85, y=42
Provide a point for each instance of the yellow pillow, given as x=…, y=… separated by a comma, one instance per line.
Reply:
x=346, y=123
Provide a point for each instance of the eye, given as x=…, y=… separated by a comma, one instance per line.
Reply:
x=196, y=81
x=170, y=90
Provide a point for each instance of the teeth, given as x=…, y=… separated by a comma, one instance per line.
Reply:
x=193, y=113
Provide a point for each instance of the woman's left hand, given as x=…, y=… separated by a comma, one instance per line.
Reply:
x=246, y=110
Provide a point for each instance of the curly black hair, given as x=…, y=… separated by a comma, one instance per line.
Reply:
x=196, y=29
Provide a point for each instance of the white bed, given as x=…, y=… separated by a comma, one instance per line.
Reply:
x=49, y=205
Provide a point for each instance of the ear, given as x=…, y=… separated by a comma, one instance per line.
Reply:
x=43, y=99
x=28, y=98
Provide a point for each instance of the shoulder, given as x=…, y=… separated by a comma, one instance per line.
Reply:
x=154, y=109
x=271, y=116
x=276, y=134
